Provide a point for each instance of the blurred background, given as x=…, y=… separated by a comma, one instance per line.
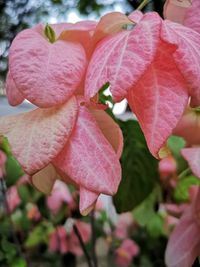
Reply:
x=37, y=230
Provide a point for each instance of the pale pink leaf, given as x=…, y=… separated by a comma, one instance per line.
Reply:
x=46, y=74
x=81, y=32
x=36, y=137
x=44, y=179
x=121, y=59
x=192, y=155
x=109, y=24
x=13, y=94
x=87, y=200
x=175, y=10
x=186, y=55
x=183, y=245
x=88, y=158
x=110, y=129
x=159, y=99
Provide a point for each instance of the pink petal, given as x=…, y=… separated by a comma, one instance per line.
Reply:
x=88, y=158
x=46, y=74
x=192, y=155
x=88, y=200
x=13, y=94
x=183, y=245
x=159, y=98
x=44, y=179
x=121, y=59
x=36, y=137
x=110, y=129
x=175, y=10
x=186, y=55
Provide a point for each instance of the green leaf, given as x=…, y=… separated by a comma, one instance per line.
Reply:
x=24, y=193
x=146, y=210
x=38, y=235
x=19, y=262
x=13, y=171
x=181, y=193
x=175, y=144
x=139, y=169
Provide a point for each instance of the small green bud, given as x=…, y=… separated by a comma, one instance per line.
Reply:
x=49, y=33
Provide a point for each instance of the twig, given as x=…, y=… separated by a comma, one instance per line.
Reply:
x=87, y=256
x=94, y=255
x=143, y=4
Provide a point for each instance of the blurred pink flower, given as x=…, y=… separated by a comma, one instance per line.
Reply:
x=13, y=198
x=123, y=225
x=2, y=163
x=60, y=195
x=125, y=253
x=33, y=212
x=64, y=240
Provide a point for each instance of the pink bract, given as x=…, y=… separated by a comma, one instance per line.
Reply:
x=47, y=74
x=36, y=137
x=120, y=60
x=159, y=98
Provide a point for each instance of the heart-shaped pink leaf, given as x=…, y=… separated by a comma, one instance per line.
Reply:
x=192, y=155
x=46, y=74
x=121, y=59
x=159, y=98
x=36, y=137
x=183, y=245
x=13, y=94
x=187, y=54
x=88, y=158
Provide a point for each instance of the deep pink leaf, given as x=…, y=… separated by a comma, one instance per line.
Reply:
x=159, y=98
x=88, y=158
x=187, y=54
x=121, y=59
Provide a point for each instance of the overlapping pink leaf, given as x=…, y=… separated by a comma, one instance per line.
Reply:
x=121, y=59
x=159, y=98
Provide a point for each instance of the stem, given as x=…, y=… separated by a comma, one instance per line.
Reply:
x=87, y=256
x=94, y=255
x=184, y=173
x=143, y=4
x=6, y=205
